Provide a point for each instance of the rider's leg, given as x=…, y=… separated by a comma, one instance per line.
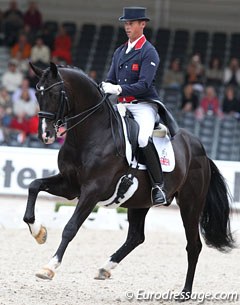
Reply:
x=145, y=115
x=155, y=173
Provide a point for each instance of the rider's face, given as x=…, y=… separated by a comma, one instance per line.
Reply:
x=134, y=29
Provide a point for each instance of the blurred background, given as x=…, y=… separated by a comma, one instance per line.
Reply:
x=198, y=78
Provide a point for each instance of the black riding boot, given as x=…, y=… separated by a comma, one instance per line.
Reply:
x=155, y=172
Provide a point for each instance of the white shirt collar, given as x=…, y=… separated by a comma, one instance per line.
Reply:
x=132, y=44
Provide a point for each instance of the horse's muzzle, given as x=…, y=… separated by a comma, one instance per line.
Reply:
x=46, y=131
x=47, y=138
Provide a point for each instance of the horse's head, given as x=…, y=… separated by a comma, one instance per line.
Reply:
x=52, y=101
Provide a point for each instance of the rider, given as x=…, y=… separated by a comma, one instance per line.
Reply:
x=131, y=76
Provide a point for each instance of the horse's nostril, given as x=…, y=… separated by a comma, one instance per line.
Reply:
x=47, y=134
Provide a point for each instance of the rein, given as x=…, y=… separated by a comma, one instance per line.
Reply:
x=61, y=120
x=87, y=112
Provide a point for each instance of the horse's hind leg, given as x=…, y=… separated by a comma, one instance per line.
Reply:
x=191, y=201
x=55, y=185
x=136, y=219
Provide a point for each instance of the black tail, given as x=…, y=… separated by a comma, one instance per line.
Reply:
x=215, y=223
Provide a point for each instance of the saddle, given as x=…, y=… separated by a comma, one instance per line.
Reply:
x=132, y=131
x=128, y=183
x=161, y=138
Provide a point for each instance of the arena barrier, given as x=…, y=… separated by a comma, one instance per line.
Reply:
x=20, y=165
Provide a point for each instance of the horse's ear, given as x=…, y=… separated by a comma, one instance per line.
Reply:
x=53, y=69
x=36, y=70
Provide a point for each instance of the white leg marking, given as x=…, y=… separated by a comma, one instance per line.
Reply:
x=109, y=265
x=53, y=264
x=35, y=228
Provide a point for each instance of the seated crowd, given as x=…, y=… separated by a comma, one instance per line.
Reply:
x=211, y=91
x=28, y=40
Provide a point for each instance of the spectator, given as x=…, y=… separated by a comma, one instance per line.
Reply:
x=173, y=77
x=5, y=115
x=93, y=75
x=22, y=48
x=6, y=106
x=48, y=37
x=230, y=102
x=237, y=109
x=209, y=104
x=40, y=53
x=12, y=23
x=214, y=73
x=31, y=36
x=12, y=78
x=62, y=46
x=21, y=52
x=3, y=129
x=232, y=73
x=195, y=73
x=2, y=136
x=25, y=114
x=190, y=100
x=33, y=17
x=23, y=88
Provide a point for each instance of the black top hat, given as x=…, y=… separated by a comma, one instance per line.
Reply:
x=134, y=13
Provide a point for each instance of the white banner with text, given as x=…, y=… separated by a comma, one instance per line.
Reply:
x=19, y=166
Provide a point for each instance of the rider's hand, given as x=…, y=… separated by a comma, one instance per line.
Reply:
x=110, y=88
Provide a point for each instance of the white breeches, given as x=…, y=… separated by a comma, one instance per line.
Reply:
x=145, y=114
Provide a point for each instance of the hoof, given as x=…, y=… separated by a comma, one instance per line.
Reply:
x=42, y=235
x=45, y=274
x=103, y=274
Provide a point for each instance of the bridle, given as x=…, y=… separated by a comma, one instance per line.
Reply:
x=59, y=118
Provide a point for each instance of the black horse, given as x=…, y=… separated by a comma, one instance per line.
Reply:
x=91, y=163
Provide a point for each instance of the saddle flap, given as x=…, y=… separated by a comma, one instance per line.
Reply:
x=132, y=131
x=160, y=138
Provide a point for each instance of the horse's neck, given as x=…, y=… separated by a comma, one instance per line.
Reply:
x=84, y=96
x=90, y=127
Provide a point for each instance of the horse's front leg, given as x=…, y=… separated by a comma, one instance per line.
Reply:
x=86, y=203
x=55, y=185
x=136, y=219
